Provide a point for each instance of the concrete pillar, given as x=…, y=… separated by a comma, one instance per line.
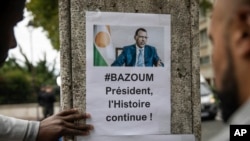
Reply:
x=185, y=94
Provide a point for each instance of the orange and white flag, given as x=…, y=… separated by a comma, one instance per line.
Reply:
x=104, y=53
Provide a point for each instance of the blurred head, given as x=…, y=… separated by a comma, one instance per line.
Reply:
x=230, y=36
x=141, y=37
x=11, y=12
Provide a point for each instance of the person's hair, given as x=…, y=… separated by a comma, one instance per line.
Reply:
x=140, y=29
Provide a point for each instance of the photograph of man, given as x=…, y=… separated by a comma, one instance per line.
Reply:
x=139, y=54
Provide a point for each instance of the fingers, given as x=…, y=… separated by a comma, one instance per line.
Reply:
x=74, y=117
x=67, y=112
x=72, y=114
x=72, y=129
x=61, y=125
x=82, y=127
x=66, y=119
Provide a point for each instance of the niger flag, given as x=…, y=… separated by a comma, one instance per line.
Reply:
x=104, y=53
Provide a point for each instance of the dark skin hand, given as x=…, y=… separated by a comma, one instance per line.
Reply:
x=61, y=124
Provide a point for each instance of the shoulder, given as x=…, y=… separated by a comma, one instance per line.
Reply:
x=150, y=48
x=129, y=47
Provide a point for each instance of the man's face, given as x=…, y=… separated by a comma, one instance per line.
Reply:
x=8, y=20
x=219, y=56
x=141, y=38
x=230, y=37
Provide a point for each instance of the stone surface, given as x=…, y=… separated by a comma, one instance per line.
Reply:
x=185, y=97
x=78, y=50
x=195, y=90
x=65, y=57
x=65, y=54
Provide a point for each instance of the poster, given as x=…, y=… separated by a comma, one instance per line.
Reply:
x=186, y=137
x=123, y=95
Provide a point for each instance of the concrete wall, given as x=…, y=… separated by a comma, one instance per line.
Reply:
x=185, y=96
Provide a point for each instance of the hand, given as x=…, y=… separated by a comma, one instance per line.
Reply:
x=159, y=63
x=62, y=124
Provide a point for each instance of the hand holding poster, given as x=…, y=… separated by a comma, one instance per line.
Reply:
x=128, y=73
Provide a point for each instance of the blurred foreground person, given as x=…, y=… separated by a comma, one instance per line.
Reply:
x=50, y=129
x=230, y=36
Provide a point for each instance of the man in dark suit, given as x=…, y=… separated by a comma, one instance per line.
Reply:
x=139, y=54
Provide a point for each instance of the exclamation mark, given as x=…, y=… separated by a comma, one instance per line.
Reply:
x=151, y=116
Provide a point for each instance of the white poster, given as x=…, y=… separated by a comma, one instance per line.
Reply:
x=186, y=137
x=128, y=73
